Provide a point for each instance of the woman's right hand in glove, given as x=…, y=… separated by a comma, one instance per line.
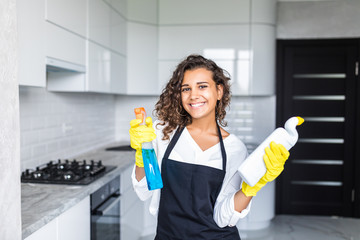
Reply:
x=140, y=134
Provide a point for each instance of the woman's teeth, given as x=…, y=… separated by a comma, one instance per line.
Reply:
x=197, y=104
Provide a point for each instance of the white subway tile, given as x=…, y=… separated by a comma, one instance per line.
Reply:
x=90, y=119
x=38, y=150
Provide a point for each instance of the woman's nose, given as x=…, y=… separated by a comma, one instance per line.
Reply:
x=194, y=94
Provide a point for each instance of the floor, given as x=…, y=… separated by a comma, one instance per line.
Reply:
x=284, y=227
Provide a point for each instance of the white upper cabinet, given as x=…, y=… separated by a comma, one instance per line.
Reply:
x=118, y=74
x=99, y=69
x=65, y=31
x=203, y=12
x=68, y=14
x=118, y=29
x=99, y=22
x=262, y=60
x=64, y=45
x=119, y=5
x=240, y=38
x=142, y=61
x=263, y=12
x=31, y=42
x=142, y=48
x=143, y=11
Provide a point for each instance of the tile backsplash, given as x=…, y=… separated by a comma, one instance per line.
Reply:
x=62, y=125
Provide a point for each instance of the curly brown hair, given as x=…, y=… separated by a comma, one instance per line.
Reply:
x=169, y=107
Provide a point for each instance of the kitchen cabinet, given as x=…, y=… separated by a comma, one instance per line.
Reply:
x=142, y=48
x=99, y=22
x=99, y=70
x=68, y=14
x=118, y=31
x=74, y=224
x=132, y=209
x=97, y=63
x=49, y=231
x=31, y=42
x=240, y=39
x=107, y=70
x=118, y=70
x=142, y=61
x=65, y=46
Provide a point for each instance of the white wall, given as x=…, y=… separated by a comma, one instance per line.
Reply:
x=318, y=19
x=61, y=125
x=10, y=214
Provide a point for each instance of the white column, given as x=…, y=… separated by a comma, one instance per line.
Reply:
x=10, y=203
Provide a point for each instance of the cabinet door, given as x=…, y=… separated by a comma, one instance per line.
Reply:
x=68, y=14
x=31, y=39
x=74, y=224
x=117, y=32
x=64, y=45
x=99, y=22
x=118, y=74
x=99, y=69
x=142, y=58
x=49, y=231
x=132, y=222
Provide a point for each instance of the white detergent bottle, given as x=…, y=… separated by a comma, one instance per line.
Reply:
x=253, y=168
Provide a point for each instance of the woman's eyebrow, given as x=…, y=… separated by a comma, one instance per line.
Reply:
x=186, y=85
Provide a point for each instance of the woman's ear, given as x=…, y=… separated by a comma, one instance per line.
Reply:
x=220, y=91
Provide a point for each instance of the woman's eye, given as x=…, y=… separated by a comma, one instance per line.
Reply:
x=185, y=89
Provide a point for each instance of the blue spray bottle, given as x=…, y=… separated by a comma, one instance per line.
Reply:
x=151, y=166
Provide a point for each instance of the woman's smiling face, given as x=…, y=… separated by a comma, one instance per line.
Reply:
x=199, y=93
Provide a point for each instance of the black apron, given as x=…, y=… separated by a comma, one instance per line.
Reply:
x=188, y=198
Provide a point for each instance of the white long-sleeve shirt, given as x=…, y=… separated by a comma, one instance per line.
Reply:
x=186, y=150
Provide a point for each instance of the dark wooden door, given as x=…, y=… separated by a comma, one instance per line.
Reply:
x=317, y=80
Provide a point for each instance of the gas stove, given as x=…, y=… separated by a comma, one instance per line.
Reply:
x=66, y=172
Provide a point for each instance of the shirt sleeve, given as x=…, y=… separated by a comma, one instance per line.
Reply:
x=140, y=187
x=224, y=211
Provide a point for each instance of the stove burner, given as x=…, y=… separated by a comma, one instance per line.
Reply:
x=66, y=172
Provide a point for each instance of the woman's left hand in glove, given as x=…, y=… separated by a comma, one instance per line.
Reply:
x=274, y=158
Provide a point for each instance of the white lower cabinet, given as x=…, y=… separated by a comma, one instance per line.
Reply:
x=131, y=210
x=74, y=224
x=132, y=222
x=49, y=231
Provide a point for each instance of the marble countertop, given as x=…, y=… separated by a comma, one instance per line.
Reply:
x=41, y=203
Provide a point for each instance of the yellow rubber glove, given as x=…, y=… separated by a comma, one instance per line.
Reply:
x=140, y=134
x=274, y=158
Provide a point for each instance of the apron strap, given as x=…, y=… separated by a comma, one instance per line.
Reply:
x=177, y=136
x=173, y=142
x=223, y=152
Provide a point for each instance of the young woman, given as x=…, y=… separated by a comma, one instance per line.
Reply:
x=203, y=195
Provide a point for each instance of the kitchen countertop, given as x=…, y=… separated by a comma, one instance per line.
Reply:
x=41, y=203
